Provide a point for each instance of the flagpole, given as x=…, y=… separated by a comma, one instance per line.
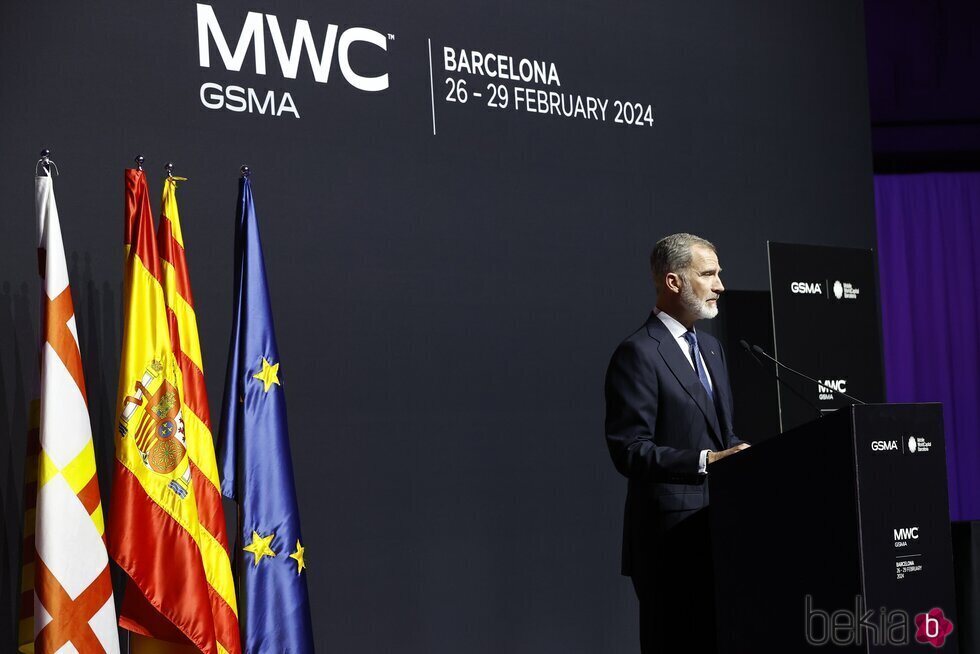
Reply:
x=239, y=560
x=239, y=563
x=138, y=160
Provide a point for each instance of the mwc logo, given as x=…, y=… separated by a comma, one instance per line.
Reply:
x=906, y=533
x=252, y=39
x=837, y=385
x=253, y=36
x=827, y=387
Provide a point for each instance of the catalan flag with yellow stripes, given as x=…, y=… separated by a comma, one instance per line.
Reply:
x=197, y=419
x=166, y=524
x=73, y=607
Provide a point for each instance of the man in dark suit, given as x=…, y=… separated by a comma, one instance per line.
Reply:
x=668, y=418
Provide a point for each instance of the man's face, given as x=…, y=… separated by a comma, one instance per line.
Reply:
x=702, y=283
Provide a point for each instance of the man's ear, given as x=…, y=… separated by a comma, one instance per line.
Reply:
x=673, y=282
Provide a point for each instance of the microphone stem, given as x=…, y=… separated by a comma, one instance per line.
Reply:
x=807, y=377
x=799, y=394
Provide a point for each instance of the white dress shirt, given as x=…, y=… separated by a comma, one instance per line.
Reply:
x=677, y=330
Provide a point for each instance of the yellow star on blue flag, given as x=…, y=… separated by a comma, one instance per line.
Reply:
x=260, y=546
x=299, y=555
x=269, y=374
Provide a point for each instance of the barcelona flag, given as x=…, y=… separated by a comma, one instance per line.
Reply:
x=255, y=460
x=69, y=605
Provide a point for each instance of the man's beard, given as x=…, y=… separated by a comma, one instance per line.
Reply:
x=695, y=305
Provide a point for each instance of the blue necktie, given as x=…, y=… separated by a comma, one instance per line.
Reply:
x=692, y=340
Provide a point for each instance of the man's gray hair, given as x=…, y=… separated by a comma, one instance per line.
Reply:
x=672, y=254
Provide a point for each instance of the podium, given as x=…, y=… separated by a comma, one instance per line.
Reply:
x=844, y=515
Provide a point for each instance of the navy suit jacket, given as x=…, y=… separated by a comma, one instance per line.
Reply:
x=658, y=419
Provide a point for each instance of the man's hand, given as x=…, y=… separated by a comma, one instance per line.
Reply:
x=715, y=456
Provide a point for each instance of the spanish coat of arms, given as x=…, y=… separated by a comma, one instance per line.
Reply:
x=152, y=416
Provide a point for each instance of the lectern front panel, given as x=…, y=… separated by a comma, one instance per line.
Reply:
x=907, y=557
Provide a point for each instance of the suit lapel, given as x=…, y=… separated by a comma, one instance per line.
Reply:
x=684, y=372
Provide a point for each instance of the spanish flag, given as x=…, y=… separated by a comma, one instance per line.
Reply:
x=162, y=521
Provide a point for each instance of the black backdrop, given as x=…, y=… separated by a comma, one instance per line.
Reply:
x=445, y=304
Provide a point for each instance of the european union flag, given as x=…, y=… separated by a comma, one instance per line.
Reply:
x=256, y=465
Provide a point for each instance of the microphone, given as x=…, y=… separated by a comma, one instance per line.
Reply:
x=759, y=350
x=745, y=346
